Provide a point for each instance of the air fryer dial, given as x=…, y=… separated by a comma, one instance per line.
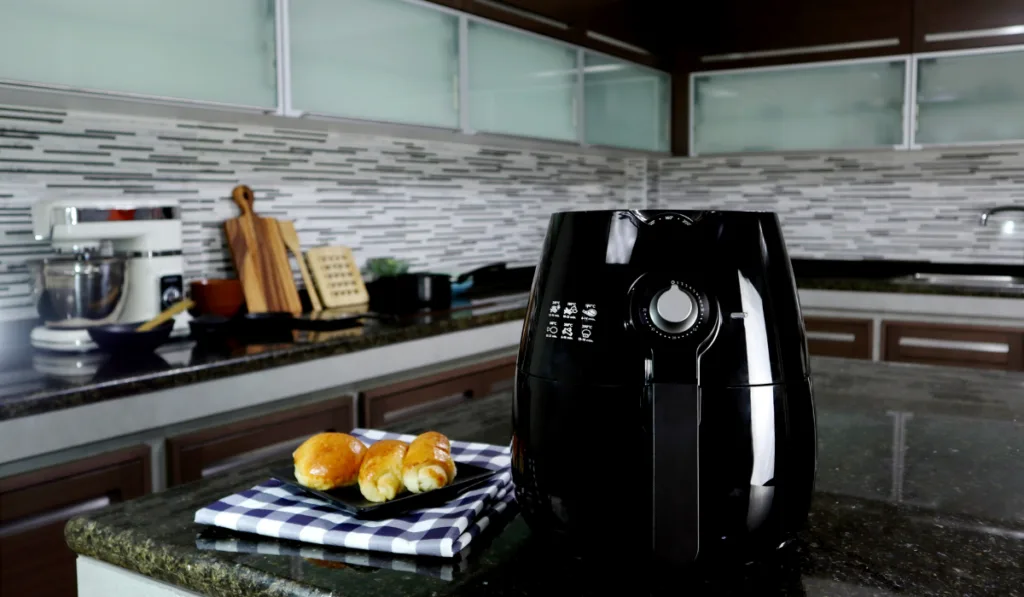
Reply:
x=673, y=310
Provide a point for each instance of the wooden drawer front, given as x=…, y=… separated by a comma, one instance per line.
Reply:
x=192, y=456
x=838, y=337
x=389, y=404
x=34, y=507
x=941, y=344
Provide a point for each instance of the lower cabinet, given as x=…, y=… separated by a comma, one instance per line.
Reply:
x=392, y=403
x=192, y=456
x=957, y=345
x=839, y=337
x=34, y=559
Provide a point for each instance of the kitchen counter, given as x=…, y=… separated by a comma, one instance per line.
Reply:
x=920, y=492
x=55, y=381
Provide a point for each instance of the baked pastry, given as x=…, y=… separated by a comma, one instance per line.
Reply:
x=380, y=476
x=328, y=460
x=428, y=464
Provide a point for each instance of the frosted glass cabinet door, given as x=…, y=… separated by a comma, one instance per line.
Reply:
x=839, y=106
x=625, y=105
x=209, y=50
x=971, y=98
x=383, y=60
x=520, y=84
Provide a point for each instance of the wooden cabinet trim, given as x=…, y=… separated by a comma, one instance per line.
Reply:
x=35, y=506
x=189, y=454
x=959, y=345
x=840, y=337
x=415, y=395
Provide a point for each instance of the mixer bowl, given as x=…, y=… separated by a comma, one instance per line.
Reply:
x=79, y=291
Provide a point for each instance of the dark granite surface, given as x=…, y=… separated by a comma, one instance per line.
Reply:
x=888, y=285
x=920, y=492
x=41, y=381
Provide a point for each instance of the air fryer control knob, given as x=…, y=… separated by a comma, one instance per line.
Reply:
x=673, y=310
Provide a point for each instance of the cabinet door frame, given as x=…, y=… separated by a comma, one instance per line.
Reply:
x=917, y=58
x=909, y=87
x=147, y=98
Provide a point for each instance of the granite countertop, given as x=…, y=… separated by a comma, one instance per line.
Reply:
x=882, y=276
x=920, y=492
x=44, y=381
x=888, y=285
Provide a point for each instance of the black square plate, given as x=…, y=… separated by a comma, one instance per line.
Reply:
x=351, y=501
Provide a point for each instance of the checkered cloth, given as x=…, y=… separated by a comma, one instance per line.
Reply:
x=273, y=509
x=445, y=569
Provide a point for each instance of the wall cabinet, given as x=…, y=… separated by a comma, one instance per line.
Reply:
x=34, y=507
x=221, y=52
x=970, y=97
x=958, y=24
x=384, y=60
x=839, y=337
x=192, y=456
x=520, y=84
x=843, y=105
x=389, y=404
x=625, y=105
x=957, y=345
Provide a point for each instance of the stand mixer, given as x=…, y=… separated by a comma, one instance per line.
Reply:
x=118, y=261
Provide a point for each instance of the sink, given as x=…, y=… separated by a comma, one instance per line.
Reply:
x=1008, y=283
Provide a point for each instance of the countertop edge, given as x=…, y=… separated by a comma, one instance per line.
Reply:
x=129, y=550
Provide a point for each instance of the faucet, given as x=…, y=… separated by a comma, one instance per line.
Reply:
x=996, y=210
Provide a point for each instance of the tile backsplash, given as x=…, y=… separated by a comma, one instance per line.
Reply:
x=443, y=206
x=899, y=205
x=454, y=206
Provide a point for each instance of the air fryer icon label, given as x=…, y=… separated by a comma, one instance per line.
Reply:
x=562, y=321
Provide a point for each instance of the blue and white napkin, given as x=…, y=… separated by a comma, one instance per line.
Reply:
x=273, y=509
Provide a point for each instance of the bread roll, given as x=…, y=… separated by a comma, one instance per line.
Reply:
x=428, y=464
x=328, y=460
x=380, y=476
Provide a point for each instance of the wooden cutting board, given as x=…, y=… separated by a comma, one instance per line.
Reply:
x=260, y=258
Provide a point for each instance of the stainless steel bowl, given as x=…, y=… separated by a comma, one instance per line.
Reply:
x=80, y=291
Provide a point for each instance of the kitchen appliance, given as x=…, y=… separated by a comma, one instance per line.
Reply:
x=662, y=402
x=117, y=260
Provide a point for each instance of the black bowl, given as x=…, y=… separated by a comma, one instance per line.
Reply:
x=121, y=338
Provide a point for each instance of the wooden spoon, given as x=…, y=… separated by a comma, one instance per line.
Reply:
x=291, y=240
x=166, y=315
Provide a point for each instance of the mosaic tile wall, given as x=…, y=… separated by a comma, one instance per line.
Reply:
x=900, y=205
x=444, y=206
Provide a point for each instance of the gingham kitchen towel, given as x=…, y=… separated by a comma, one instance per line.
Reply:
x=273, y=509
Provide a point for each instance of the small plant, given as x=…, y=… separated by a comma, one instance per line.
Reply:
x=382, y=267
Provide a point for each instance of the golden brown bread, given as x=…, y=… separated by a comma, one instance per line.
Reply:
x=380, y=476
x=328, y=460
x=428, y=464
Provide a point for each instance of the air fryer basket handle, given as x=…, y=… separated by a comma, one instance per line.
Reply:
x=675, y=514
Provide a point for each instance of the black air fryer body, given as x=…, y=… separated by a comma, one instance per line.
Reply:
x=662, y=395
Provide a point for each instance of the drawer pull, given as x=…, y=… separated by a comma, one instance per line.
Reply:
x=832, y=336
x=35, y=521
x=853, y=45
x=974, y=33
x=991, y=347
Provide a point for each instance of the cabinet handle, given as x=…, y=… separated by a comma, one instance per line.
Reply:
x=853, y=45
x=992, y=347
x=974, y=33
x=35, y=521
x=831, y=336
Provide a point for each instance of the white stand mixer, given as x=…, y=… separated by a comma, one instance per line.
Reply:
x=144, y=233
